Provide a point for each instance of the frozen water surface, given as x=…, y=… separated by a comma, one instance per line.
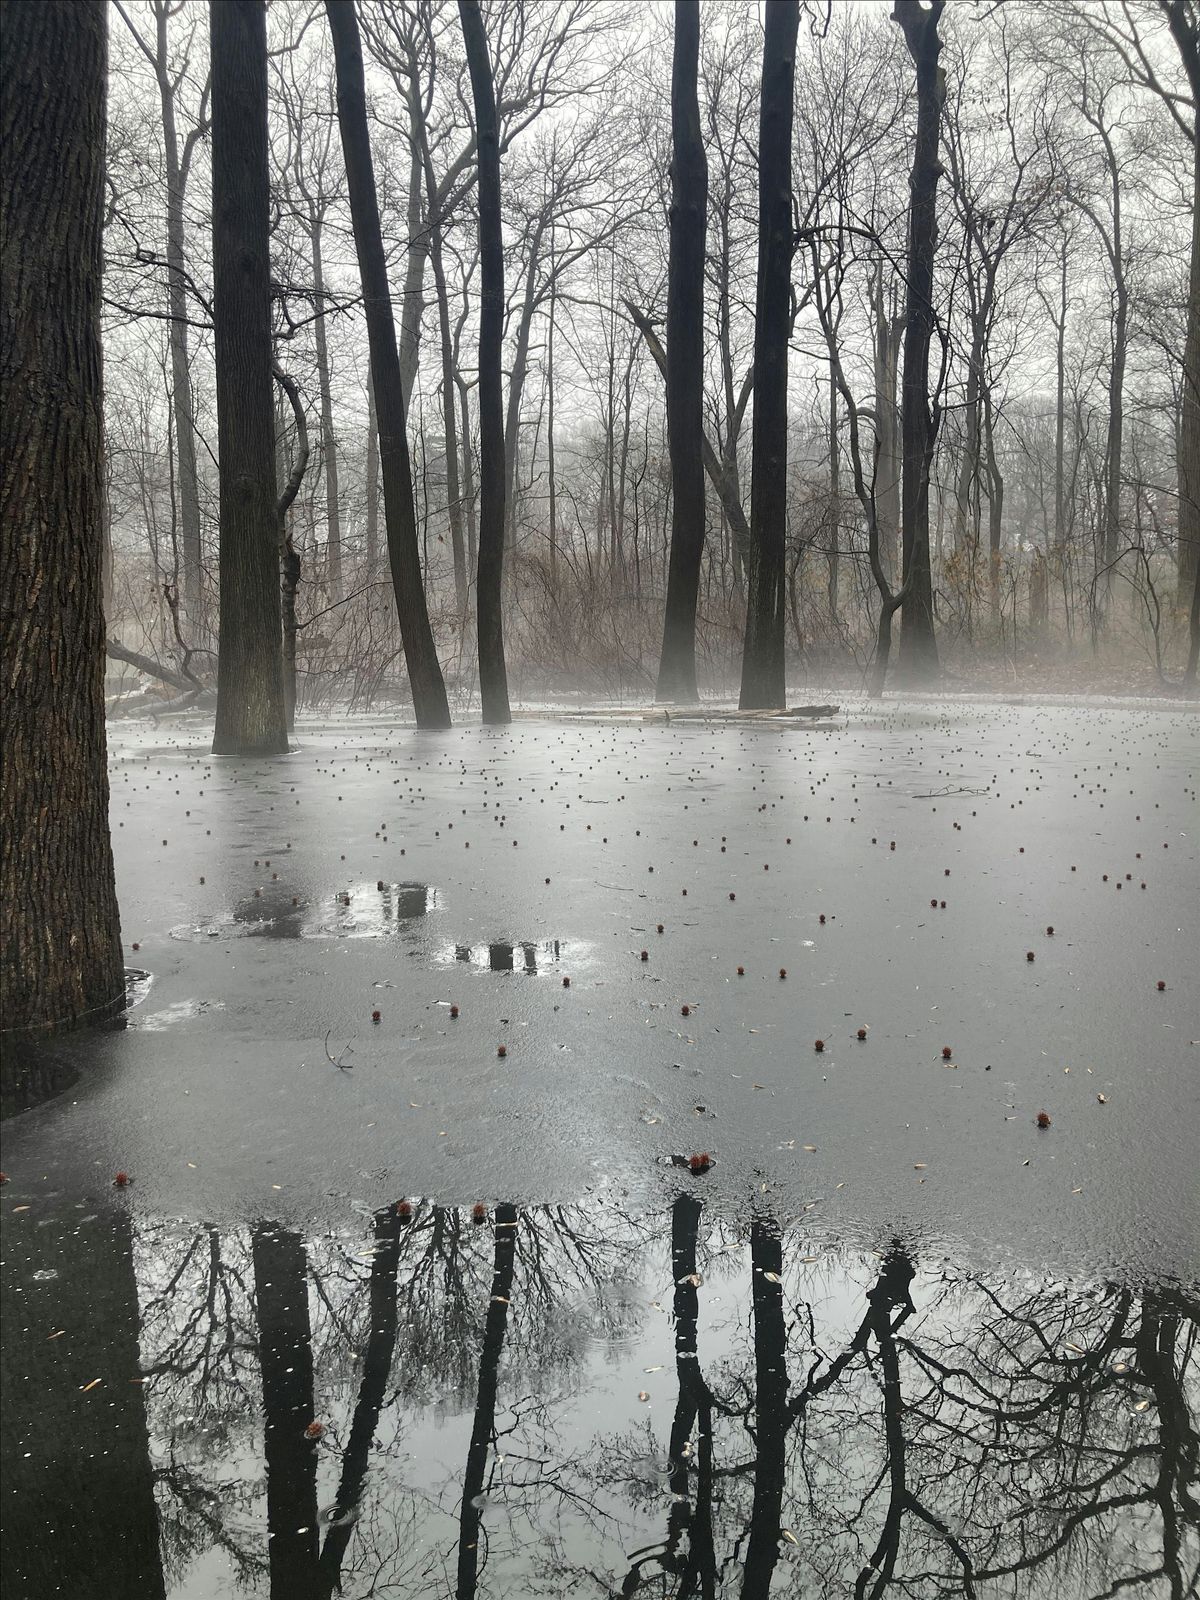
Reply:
x=933, y=1348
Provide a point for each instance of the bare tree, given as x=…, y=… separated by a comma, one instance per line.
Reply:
x=493, y=680
x=763, y=678
x=685, y=362
x=424, y=672
x=918, y=657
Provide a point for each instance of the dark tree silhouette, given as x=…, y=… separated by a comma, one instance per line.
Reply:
x=59, y=928
x=251, y=719
x=80, y=1517
x=493, y=681
x=424, y=672
x=285, y=1356
x=685, y=362
x=763, y=680
x=917, y=658
x=484, y=1426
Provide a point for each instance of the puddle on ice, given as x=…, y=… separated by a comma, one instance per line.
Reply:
x=613, y=1402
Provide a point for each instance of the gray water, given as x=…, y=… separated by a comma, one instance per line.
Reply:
x=936, y=1348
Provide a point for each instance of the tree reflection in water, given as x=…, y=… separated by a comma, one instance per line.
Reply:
x=825, y=1423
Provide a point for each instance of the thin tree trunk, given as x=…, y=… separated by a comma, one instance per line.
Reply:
x=483, y=1427
x=468, y=475
x=181, y=375
x=376, y=1366
x=835, y=509
x=60, y=934
x=333, y=518
x=412, y=306
x=551, y=483
x=685, y=363
x=1060, y=409
x=771, y=1408
x=372, y=508
x=493, y=680
x=918, y=657
x=1185, y=30
x=516, y=388
x=449, y=422
x=250, y=706
x=424, y=672
x=763, y=673
x=888, y=332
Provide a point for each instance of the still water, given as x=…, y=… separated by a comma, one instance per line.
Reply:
x=577, y=1400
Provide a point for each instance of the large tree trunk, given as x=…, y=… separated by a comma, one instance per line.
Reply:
x=424, y=672
x=333, y=516
x=685, y=363
x=918, y=658
x=80, y=1518
x=493, y=680
x=763, y=678
x=60, y=934
x=251, y=718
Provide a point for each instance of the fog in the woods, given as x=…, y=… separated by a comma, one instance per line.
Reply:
x=600, y=608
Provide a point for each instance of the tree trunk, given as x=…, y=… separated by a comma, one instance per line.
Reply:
x=493, y=681
x=763, y=676
x=1060, y=410
x=771, y=1406
x=484, y=1424
x=333, y=517
x=1185, y=30
x=250, y=706
x=685, y=363
x=81, y=1519
x=372, y=507
x=181, y=375
x=60, y=933
x=286, y=1363
x=835, y=509
x=550, y=463
x=376, y=1367
x=516, y=387
x=918, y=657
x=450, y=423
x=888, y=333
x=425, y=675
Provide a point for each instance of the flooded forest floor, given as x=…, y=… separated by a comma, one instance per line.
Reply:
x=416, y=1289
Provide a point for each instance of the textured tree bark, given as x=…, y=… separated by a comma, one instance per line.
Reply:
x=404, y=556
x=763, y=680
x=493, y=679
x=60, y=933
x=251, y=718
x=917, y=659
x=685, y=363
